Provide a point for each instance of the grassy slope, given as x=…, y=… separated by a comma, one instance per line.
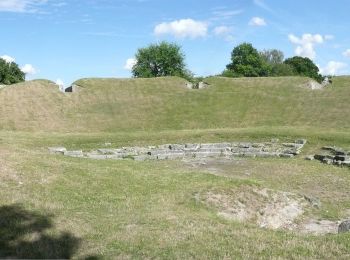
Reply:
x=157, y=104
x=149, y=209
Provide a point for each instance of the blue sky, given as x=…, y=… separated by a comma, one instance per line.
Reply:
x=72, y=39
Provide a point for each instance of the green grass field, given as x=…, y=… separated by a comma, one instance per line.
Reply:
x=53, y=206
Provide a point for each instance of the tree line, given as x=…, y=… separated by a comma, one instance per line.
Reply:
x=167, y=59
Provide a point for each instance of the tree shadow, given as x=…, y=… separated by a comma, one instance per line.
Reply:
x=25, y=234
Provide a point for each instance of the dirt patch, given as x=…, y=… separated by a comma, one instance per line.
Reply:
x=268, y=209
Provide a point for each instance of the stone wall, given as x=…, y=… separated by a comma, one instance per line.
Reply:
x=191, y=150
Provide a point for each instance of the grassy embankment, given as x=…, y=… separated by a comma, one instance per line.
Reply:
x=149, y=209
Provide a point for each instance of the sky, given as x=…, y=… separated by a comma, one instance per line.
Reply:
x=65, y=40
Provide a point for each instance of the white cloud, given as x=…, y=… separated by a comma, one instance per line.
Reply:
x=129, y=64
x=8, y=59
x=333, y=68
x=257, y=21
x=223, y=14
x=347, y=53
x=28, y=69
x=224, y=32
x=20, y=6
x=183, y=28
x=306, y=44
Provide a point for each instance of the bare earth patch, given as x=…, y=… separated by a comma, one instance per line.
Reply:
x=268, y=209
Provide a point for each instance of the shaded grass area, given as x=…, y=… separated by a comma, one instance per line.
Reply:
x=24, y=234
x=128, y=209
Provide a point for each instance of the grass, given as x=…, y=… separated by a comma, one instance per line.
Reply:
x=110, y=105
x=54, y=206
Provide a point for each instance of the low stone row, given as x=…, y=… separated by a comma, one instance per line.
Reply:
x=332, y=155
x=179, y=151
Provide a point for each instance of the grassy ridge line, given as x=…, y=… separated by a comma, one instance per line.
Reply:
x=111, y=105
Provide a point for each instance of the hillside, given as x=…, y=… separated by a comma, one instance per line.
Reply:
x=165, y=103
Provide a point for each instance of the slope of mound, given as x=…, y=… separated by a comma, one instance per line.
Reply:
x=165, y=103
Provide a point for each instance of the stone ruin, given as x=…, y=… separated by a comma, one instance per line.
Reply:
x=198, y=85
x=332, y=155
x=191, y=150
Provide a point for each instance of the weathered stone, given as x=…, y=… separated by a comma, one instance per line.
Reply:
x=78, y=153
x=344, y=226
x=266, y=155
x=57, y=150
x=202, y=85
x=314, y=201
x=245, y=145
x=341, y=158
x=310, y=158
x=176, y=146
x=286, y=155
x=143, y=157
x=215, y=146
x=275, y=140
x=320, y=157
x=170, y=156
x=96, y=156
x=301, y=141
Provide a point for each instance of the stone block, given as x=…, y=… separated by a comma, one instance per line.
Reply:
x=176, y=146
x=344, y=226
x=286, y=155
x=216, y=146
x=170, y=156
x=301, y=141
x=244, y=145
x=96, y=156
x=57, y=150
x=78, y=153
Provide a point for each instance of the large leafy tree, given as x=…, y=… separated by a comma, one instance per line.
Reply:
x=158, y=60
x=247, y=62
x=10, y=73
x=304, y=67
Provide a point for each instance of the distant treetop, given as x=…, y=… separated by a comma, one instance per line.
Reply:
x=10, y=73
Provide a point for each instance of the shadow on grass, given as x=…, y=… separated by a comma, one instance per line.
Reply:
x=24, y=234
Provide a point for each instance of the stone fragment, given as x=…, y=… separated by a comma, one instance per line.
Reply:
x=78, y=153
x=301, y=141
x=310, y=158
x=57, y=150
x=314, y=201
x=344, y=227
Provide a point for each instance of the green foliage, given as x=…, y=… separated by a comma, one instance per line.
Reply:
x=159, y=60
x=10, y=73
x=247, y=62
x=304, y=67
x=282, y=70
x=272, y=56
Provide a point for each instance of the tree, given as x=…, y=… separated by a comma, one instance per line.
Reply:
x=282, y=70
x=247, y=62
x=158, y=60
x=272, y=56
x=304, y=67
x=10, y=73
